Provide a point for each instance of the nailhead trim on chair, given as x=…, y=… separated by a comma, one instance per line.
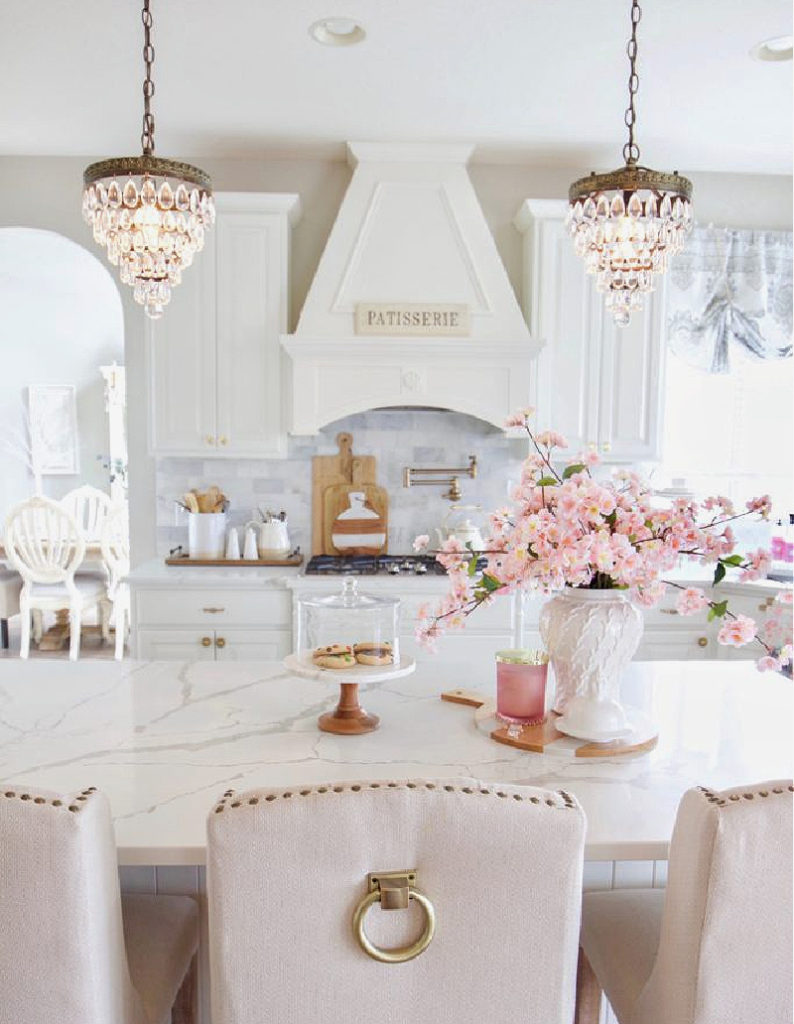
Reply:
x=720, y=801
x=74, y=808
x=566, y=798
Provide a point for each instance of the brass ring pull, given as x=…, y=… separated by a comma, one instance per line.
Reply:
x=394, y=897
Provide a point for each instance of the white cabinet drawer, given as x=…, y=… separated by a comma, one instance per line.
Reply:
x=198, y=607
x=677, y=644
x=252, y=644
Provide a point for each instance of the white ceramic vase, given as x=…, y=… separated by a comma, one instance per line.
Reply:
x=591, y=636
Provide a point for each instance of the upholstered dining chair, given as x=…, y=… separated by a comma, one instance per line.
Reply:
x=72, y=951
x=115, y=546
x=44, y=544
x=445, y=901
x=715, y=947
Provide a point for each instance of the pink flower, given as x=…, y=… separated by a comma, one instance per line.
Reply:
x=756, y=566
x=421, y=542
x=762, y=505
x=650, y=594
x=551, y=439
x=785, y=597
x=768, y=664
x=519, y=419
x=691, y=601
x=452, y=554
x=737, y=632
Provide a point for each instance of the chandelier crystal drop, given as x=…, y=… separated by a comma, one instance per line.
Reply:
x=626, y=223
x=150, y=214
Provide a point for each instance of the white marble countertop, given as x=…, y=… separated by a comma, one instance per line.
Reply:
x=155, y=573
x=165, y=739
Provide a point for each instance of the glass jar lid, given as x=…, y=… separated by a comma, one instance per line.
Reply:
x=350, y=598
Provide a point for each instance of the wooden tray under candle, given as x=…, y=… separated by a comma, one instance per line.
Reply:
x=545, y=738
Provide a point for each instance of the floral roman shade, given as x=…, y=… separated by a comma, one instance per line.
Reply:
x=730, y=293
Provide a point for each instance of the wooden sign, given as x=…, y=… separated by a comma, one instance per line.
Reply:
x=439, y=319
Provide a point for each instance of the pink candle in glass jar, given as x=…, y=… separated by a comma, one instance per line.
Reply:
x=521, y=686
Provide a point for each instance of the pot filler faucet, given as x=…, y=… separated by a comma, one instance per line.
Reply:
x=417, y=477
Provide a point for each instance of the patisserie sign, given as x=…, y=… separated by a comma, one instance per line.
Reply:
x=446, y=320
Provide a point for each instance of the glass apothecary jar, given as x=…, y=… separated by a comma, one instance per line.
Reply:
x=367, y=623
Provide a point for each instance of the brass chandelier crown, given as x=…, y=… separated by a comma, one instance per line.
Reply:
x=627, y=222
x=150, y=213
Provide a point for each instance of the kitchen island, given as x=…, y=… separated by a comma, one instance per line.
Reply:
x=164, y=739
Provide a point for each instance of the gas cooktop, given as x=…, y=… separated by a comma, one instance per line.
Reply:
x=374, y=565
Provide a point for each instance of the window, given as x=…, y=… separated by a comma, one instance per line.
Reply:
x=731, y=433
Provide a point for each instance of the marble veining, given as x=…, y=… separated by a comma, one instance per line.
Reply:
x=165, y=739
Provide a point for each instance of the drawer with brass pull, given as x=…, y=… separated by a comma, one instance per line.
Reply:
x=179, y=606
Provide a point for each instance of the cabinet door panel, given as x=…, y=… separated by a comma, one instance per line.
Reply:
x=251, y=312
x=630, y=407
x=252, y=645
x=181, y=357
x=561, y=312
x=175, y=645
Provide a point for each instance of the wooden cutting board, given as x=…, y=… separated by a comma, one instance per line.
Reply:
x=336, y=500
x=330, y=470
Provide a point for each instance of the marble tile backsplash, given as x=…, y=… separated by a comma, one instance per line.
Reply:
x=397, y=437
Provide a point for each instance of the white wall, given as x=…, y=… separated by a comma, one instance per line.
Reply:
x=45, y=192
x=61, y=320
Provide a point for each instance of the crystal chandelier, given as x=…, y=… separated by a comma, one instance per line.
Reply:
x=150, y=213
x=625, y=223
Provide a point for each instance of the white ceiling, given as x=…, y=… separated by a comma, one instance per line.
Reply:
x=535, y=80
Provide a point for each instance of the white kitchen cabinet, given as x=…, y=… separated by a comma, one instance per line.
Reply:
x=213, y=645
x=215, y=364
x=221, y=622
x=598, y=384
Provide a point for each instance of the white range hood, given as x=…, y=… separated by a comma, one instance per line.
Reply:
x=409, y=231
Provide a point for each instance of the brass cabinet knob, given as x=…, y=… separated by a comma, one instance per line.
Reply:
x=703, y=641
x=220, y=642
x=206, y=641
x=606, y=447
x=223, y=439
x=209, y=439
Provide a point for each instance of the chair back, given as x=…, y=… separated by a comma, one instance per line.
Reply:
x=89, y=506
x=61, y=941
x=42, y=541
x=501, y=866
x=725, y=947
x=115, y=544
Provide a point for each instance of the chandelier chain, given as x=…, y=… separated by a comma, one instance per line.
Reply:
x=147, y=136
x=631, y=151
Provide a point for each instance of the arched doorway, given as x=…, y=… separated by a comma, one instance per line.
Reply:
x=61, y=322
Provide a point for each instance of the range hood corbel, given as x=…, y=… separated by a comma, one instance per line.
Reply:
x=409, y=230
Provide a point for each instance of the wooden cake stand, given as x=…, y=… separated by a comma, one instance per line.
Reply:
x=348, y=717
x=545, y=738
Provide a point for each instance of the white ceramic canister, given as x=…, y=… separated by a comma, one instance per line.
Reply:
x=206, y=534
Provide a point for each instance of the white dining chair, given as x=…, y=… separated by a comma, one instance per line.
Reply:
x=44, y=544
x=10, y=588
x=715, y=947
x=115, y=546
x=72, y=950
x=89, y=507
x=451, y=901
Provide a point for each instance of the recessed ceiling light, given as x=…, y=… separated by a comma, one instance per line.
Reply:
x=337, y=32
x=777, y=48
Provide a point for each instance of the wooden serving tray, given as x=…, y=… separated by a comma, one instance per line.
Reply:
x=234, y=562
x=544, y=738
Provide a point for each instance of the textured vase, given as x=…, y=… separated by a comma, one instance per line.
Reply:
x=591, y=636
